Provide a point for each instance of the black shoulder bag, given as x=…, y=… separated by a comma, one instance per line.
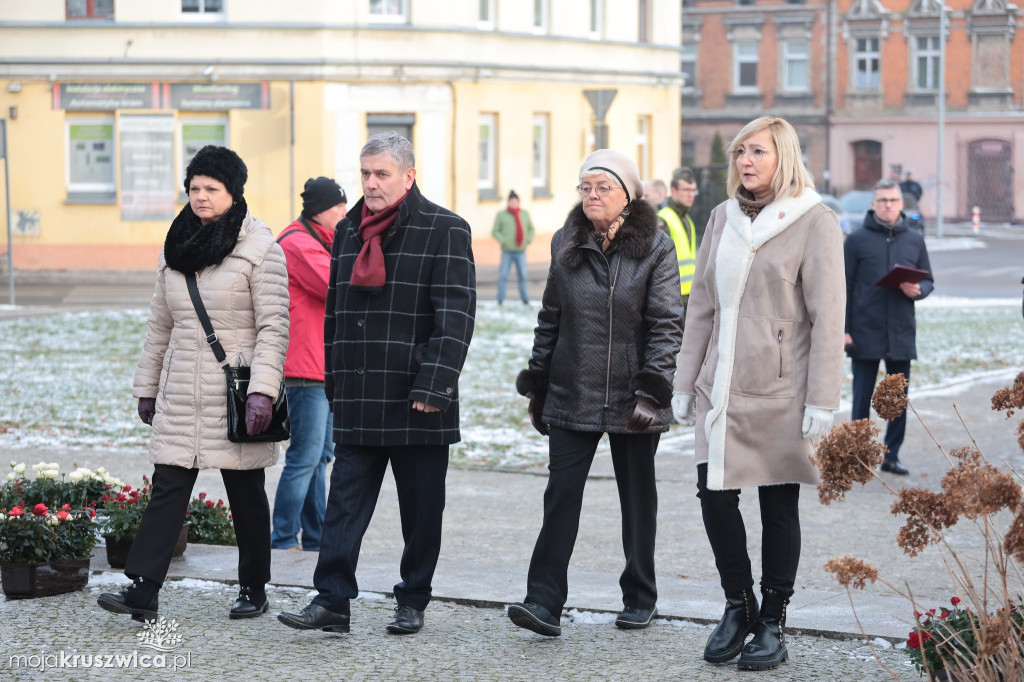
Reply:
x=238, y=384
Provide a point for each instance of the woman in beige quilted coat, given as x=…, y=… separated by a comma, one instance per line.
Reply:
x=242, y=280
x=761, y=362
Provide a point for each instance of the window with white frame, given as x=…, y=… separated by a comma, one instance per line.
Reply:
x=486, y=17
x=90, y=169
x=643, y=145
x=541, y=151
x=540, y=16
x=688, y=66
x=596, y=18
x=796, y=65
x=866, y=59
x=744, y=67
x=207, y=9
x=926, y=63
x=487, y=171
x=389, y=10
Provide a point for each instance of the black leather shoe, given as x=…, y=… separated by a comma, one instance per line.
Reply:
x=767, y=650
x=892, y=465
x=536, y=618
x=315, y=617
x=635, y=619
x=407, y=621
x=251, y=602
x=739, y=618
x=141, y=599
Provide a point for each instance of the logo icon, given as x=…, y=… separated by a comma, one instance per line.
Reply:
x=160, y=635
x=782, y=214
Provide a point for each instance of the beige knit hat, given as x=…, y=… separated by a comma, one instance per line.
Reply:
x=617, y=165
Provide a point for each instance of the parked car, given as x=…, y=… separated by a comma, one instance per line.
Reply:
x=853, y=206
x=832, y=202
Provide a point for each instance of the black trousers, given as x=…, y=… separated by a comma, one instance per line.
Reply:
x=864, y=374
x=572, y=453
x=151, y=551
x=419, y=472
x=780, y=534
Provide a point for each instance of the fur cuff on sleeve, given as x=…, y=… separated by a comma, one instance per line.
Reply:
x=653, y=385
x=531, y=382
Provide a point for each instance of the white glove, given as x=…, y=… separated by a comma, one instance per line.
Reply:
x=683, y=408
x=817, y=421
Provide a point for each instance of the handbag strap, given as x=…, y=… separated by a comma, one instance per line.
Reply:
x=204, y=318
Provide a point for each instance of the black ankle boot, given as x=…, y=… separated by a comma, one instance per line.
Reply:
x=140, y=599
x=767, y=648
x=251, y=602
x=741, y=613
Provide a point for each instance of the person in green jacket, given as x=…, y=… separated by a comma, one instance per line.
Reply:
x=514, y=231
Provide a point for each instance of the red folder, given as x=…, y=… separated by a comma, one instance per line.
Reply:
x=900, y=274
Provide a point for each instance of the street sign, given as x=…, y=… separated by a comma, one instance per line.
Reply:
x=600, y=101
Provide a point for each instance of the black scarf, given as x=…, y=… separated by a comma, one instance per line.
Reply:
x=191, y=246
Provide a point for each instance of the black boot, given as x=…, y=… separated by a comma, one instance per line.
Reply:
x=140, y=599
x=767, y=648
x=251, y=602
x=741, y=613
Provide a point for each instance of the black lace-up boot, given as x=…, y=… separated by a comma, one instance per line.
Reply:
x=741, y=614
x=140, y=599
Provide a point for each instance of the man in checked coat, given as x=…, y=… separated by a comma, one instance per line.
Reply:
x=401, y=304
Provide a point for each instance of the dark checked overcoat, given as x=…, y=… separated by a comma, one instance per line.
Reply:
x=408, y=342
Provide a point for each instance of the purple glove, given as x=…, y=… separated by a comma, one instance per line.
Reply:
x=258, y=410
x=147, y=410
x=643, y=414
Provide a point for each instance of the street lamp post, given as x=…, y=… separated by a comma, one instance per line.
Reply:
x=942, y=117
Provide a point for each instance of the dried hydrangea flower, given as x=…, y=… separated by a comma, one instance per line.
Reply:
x=966, y=457
x=1010, y=399
x=846, y=455
x=927, y=514
x=851, y=572
x=981, y=490
x=1014, y=541
x=890, y=397
x=995, y=630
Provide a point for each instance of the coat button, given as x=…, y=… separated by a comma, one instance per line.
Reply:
x=360, y=323
x=448, y=390
x=359, y=370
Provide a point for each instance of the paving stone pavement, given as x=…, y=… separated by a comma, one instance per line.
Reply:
x=458, y=642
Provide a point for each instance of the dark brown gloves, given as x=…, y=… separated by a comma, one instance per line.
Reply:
x=643, y=414
x=258, y=411
x=536, y=409
x=147, y=410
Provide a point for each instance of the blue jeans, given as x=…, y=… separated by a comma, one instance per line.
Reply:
x=507, y=258
x=301, y=498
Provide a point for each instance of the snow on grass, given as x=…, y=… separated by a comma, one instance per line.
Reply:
x=953, y=244
x=65, y=379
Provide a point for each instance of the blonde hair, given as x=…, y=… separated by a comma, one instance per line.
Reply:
x=791, y=177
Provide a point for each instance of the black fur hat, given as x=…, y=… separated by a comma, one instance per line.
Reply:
x=219, y=163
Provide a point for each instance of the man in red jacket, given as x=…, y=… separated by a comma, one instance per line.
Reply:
x=301, y=498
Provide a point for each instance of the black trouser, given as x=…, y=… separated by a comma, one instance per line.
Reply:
x=151, y=551
x=780, y=534
x=571, y=454
x=419, y=472
x=864, y=374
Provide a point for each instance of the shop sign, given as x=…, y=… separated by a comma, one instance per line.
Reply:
x=105, y=96
x=216, y=96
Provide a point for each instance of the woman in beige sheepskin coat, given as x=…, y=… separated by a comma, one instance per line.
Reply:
x=761, y=366
x=243, y=283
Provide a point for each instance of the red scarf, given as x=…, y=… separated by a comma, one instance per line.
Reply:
x=368, y=272
x=519, y=225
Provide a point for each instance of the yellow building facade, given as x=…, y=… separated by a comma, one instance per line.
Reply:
x=105, y=101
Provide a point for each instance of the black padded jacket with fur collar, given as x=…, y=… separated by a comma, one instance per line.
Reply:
x=610, y=326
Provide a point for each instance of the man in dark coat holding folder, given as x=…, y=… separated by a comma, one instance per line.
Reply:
x=880, y=321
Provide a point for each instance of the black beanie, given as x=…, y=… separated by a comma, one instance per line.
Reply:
x=321, y=194
x=219, y=163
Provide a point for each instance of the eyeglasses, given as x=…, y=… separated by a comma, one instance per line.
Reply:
x=756, y=154
x=888, y=201
x=600, y=190
x=689, y=190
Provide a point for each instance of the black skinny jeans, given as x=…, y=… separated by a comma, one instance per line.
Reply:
x=780, y=535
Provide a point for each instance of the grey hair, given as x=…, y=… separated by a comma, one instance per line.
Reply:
x=885, y=183
x=391, y=143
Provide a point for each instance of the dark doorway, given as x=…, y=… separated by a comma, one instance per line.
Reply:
x=867, y=163
x=990, y=179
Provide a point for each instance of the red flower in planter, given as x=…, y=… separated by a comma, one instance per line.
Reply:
x=915, y=639
x=202, y=496
x=209, y=503
x=16, y=511
x=66, y=507
x=40, y=509
x=954, y=601
x=63, y=515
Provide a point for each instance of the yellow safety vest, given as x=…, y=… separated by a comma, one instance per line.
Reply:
x=686, y=246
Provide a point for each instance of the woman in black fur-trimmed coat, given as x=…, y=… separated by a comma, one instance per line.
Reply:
x=603, y=361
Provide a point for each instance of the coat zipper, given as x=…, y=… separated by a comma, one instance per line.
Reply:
x=780, y=353
x=611, y=322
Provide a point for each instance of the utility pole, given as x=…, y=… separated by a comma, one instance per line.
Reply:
x=942, y=118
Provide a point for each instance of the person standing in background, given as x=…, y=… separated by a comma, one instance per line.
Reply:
x=514, y=231
x=301, y=498
x=674, y=220
x=654, y=193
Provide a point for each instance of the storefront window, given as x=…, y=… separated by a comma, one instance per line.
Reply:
x=90, y=170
